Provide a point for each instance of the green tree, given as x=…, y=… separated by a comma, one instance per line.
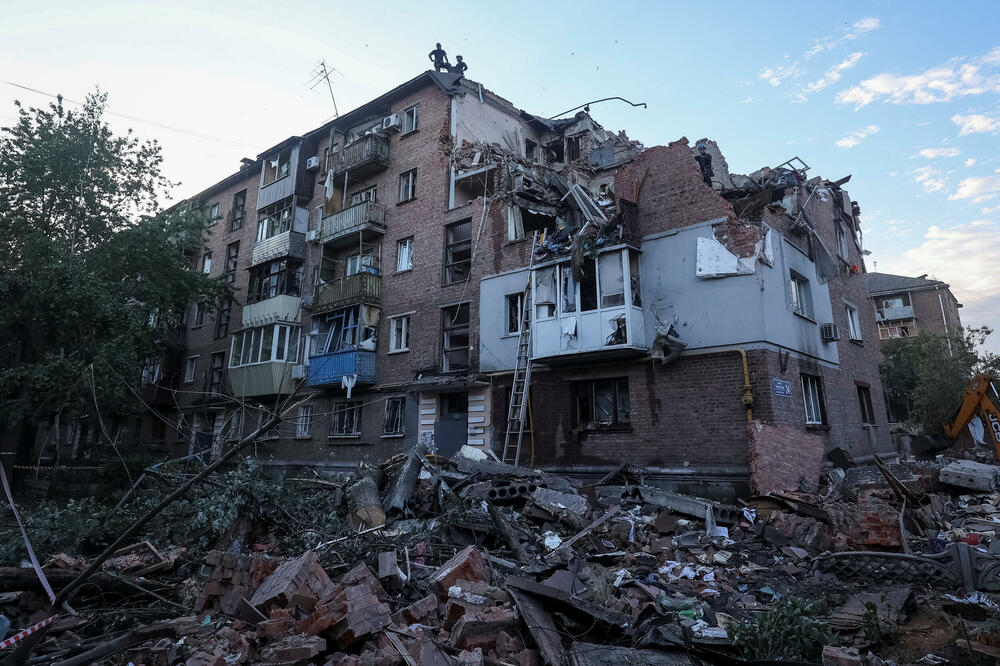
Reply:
x=926, y=375
x=95, y=275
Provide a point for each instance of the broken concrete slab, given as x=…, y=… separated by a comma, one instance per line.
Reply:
x=970, y=474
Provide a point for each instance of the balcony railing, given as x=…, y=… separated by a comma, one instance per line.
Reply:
x=890, y=314
x=363, y=157
x=327, y=369
x=286, y=244
x=361, y=287
x=364, y=217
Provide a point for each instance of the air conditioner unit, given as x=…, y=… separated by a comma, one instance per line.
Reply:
x=829, y=332
x=391, y=123
x=312, y=164
x=312, y=235
x=299, y=371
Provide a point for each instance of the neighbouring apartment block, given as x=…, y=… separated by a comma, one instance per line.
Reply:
x=392, y=262
x=904, y=305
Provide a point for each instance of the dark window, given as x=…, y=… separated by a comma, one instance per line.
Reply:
x=812, y=399
x=588, y=286
x=865, y=401
x=222, y=320
x=232, y=260
x=455, y=325
x=393, y=422
x=602, y=403
x=275, y=278
x=530, y=150
x=515, y=306
x=346, y=419
x=572, y=148
x=275, y=219
x=458, y=254
x=239, y=210
x=199, y=315
x=217, y=377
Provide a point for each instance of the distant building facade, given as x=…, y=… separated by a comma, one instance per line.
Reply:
x=904, y=305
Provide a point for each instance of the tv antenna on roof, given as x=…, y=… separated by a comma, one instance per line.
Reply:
x=322, y=73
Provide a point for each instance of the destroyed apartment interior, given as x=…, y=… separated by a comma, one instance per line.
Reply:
x=495, y=388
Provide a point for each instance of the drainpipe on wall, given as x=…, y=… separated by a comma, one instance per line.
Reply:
x=747, y=397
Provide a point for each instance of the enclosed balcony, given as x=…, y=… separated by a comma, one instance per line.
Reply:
x=363, y=158
x=363, y=287
x=286, y=244
x=366, y=218
x=329, y=369
x=894, y=313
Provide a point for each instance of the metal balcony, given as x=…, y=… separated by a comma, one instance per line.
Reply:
x=366, y=218
x=285, y=244
x=361, y=287
x=362, y=158
x=329, y=369
x=892, y=314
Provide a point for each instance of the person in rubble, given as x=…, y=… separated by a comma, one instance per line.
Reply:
x=459, y=67
x=440, y=59
x=705, y=162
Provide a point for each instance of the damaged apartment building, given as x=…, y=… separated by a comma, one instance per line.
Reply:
x=401, y=261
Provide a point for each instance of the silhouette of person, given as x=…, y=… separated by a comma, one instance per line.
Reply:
x=439, y=58
x=459, y=67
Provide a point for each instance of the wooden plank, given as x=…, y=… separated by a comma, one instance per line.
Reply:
x=542, y=629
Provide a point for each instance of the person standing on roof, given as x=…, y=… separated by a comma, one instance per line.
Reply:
x=459, y=67
x=704, y=160
x=439, y=58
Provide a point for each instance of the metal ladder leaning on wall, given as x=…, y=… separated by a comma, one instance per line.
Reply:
x=518, y=406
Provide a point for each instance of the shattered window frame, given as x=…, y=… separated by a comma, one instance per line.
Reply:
x=611, y=279
x=276, y=168
x=199, y=315
x=411, y=119
x=801, y=292
x=206, y=262
x=275, y=219
x=458, y=244
x=281, y=277
x=404, y=255
x=217, y=376
x=394, y=421
x=812, y=400
x=455, y=323
x=865, y=403
x=546, y=296
x=399, y=333
x=303, y=421
x=191, y=369
x=345, y=421
x=238, y=213
x=213, y=213
x=223, y=318
x=247, y=347
x=232, y=261
x=514, y=311
x=611, y=396
x=843, y=249
x=408, y=186
x=364, y=261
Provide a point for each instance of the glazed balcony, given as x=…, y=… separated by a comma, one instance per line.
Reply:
x=366, y=218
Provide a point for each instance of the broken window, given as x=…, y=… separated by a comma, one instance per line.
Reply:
x=458, y=254
x=206, y=263
x=277, y=167
x=368, y=194
x=545, y=293
x=275, y=278
x=399, y=333
x=865, y=402
x=223, y=318
x=801, y=295
x=812, y=399
x=213, y=213
x=612, y=279
x=842, y=248
x=239, y=210
x=366, y=261
x=572, y=148
x=567, y=288
x=199, y=315
x=633, y=273
x=232, y=260
x=853, y=322
x=524, y=222
x=411, y=119
x=404, y=254
x=190, y=369
x=303, y=421
x=588, y=286
x=342, y=331
x=346, y=419
x=454, y=406
x=455, y=325
x=530, y=150
x=274, y=342
x=515, y=306
x=217, y=377
x=602, y=403
x=554, y=150
x=392, y=423
x=408, y=185
x=275, y=219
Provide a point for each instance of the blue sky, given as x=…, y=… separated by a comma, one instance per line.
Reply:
x=903, y=96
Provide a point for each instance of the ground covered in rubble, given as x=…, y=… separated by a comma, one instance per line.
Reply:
x=422, y=560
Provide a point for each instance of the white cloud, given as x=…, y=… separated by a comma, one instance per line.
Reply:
x=778, y=75
x=934, y=153
x=747, y=100
x=852, y=139
x=990, y=211
x=956, y=78
x=859, y=28
x=929, y=178
x=969, y=162
x=831, y=76
x=978, y=188
x=975, y=123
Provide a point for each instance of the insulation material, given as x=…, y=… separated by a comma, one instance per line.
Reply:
x=826, y=265
x=714, y=261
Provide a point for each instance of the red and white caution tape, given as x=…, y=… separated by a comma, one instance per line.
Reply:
x=17, y=638
x=24, y=534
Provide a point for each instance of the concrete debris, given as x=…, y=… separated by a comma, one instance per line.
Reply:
x=481, y=562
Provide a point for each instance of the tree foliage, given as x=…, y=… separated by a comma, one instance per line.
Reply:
x=95, y=275
x=926, y=375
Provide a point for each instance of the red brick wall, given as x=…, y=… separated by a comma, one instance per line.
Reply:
x=783, y=458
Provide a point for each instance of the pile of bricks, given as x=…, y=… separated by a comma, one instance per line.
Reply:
x=234, y=578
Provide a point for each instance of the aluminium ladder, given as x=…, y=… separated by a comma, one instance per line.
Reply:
x=518, y=406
